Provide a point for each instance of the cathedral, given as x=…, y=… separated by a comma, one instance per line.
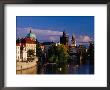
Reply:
x=25, y=44
x=64, y=39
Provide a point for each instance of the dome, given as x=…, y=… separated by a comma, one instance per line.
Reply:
x=31, y=35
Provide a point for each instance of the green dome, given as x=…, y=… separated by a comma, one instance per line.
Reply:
x=31, y=35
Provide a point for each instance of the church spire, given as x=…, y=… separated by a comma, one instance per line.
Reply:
x=64, y=34
x=73, y=37
x=73, y=41
x=30, y=30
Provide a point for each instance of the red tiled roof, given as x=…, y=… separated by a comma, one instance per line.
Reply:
x=24, y=41
x=17, y=44
x=28, y=40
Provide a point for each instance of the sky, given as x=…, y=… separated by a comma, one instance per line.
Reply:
x=50, y=28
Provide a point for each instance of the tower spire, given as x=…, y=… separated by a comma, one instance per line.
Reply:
x=30, y=30
x=64, y=34
x=73, y=41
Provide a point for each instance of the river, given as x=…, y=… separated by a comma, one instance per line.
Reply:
x=52, y=69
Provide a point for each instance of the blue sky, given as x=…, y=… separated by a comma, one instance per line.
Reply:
x=53, y=26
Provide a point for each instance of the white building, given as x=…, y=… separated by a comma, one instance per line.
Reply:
x=18, y=52
x=27, y=43
x=23, y=54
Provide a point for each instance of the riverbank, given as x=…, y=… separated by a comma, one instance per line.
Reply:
x=26, y=65
x=29, y=71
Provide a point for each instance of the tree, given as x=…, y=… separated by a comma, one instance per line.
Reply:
x=40, y=54
x=62, y=54
x=38, y=50
x=30, y=54
x=59, y=55
x=52, y=53
x=91, y=53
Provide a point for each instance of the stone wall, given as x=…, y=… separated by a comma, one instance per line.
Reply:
x=25, y=65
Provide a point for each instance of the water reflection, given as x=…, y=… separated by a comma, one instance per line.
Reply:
x=82, y=69
x=53, y=69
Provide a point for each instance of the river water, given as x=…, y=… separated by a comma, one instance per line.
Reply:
x=52, y=69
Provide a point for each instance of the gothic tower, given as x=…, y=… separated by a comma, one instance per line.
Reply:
x=73, y=41
x=64, y=39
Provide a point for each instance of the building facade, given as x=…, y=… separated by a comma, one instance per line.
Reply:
x=18, y=52
x=25, y=44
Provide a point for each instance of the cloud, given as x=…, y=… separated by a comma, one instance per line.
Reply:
x=54, y=38
x=84, y=39
x=48, y=35
x=44, y=32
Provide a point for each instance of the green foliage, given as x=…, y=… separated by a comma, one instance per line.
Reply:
x=38, y=50
x=30, y=54
x=58, y=54
x=91, y=53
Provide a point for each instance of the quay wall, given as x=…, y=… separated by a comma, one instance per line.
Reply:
x=25, y=65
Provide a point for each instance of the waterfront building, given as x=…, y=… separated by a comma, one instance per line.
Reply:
x=17, y=51
x=25, y=44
